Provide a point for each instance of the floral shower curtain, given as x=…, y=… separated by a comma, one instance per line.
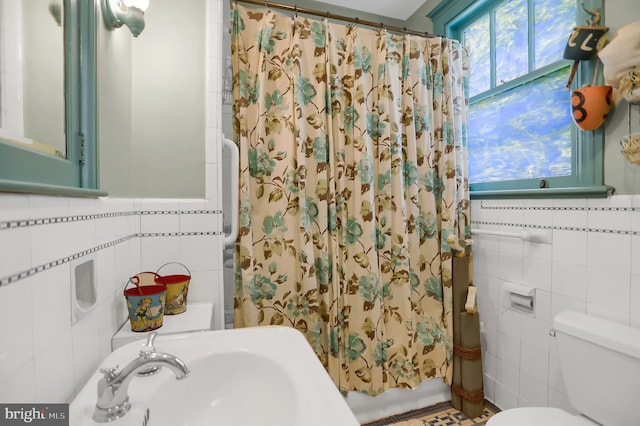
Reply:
x=352, y=187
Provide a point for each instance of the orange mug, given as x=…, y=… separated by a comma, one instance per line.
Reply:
x=590, y=106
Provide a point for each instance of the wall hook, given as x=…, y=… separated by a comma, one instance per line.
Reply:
x=593, y=13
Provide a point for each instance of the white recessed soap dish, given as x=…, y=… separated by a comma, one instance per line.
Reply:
x=84, y=296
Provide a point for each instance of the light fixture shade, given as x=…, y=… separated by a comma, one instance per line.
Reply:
x=55, y=9
x=125, y=12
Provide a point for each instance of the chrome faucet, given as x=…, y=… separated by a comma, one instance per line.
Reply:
x=113, y=397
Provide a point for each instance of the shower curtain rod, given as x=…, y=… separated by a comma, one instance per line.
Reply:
x=330, y=15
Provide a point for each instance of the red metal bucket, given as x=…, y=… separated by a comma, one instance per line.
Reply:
x=145, y=303
x=177, y=290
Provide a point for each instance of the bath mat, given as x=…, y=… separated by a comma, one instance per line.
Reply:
x=437, y=415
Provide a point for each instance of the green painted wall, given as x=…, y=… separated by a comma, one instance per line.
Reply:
x=152, y=105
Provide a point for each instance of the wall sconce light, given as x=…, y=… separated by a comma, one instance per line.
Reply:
x=125, y=12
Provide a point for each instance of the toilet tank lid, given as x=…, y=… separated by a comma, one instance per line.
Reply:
x=600, y=331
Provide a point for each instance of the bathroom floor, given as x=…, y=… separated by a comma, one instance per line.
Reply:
x=437, y=415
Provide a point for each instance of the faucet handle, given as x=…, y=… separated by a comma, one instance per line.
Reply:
x=109, y=372
x=149, y=347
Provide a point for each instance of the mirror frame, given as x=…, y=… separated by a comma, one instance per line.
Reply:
x=25, y=170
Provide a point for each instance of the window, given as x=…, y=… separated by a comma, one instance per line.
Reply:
x=29, y=164
x=521, y=135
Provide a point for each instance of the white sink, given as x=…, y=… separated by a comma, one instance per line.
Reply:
x=267, y=376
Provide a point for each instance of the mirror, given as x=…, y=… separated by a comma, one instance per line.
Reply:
x=32, y=82
x=48, y=91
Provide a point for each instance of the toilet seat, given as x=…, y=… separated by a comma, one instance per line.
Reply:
x=536, y=416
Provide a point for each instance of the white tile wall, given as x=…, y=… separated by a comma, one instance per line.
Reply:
x=17, y=318
x=46, y=357
x=591, y=266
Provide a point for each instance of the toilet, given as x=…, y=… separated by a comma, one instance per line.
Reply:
x=600, y=365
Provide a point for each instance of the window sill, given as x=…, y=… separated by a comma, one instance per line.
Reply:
x=600, y=191
x=44, y=189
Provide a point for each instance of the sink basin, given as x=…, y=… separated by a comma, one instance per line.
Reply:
x=267, y=376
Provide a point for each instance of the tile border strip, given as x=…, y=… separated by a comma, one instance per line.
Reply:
x=562, y=208
x=25, y=223
x=558, y=228
x=41, y=268
x=152, y=212
x=178, y=234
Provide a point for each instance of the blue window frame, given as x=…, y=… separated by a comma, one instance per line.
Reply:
x=522, y=141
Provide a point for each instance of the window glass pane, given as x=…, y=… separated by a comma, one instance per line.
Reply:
x=522, y=133
x=512, y=54
x=476, y=37
x=554, y=20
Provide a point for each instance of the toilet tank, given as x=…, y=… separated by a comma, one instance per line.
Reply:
x=600, y=364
